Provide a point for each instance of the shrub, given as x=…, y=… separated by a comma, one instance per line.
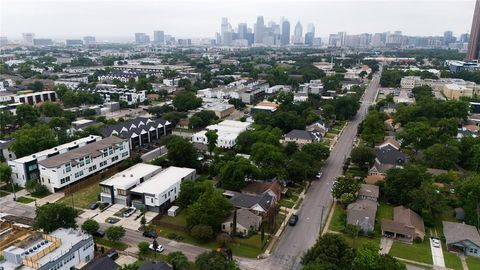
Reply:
x=202, y=232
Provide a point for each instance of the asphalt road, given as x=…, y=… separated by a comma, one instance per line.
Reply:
x=296, y=240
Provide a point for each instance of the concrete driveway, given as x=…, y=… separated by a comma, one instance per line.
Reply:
x=437, y=254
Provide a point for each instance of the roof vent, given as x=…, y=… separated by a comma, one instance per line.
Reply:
x=123, y=175
x=131, y=175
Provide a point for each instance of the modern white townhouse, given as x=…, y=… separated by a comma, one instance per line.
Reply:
x=63, y=249
x=32, y=98
x=116, y=189
x=26, y=168
x=227, y=132
x=131, y=96
x=62, y=170
x=160, y=191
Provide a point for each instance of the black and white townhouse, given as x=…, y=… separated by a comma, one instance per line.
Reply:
x=140, y=131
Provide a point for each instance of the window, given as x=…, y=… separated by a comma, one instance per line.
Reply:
x=103, y=163
x=105, y=153
x=106, y=190
x=68, y=167
x=124, y=154
x=81, y=162
x=87, y=160
x=122, y=192
x=93, y=168
x=110, y=150
x=78, y=174
x=115, y=158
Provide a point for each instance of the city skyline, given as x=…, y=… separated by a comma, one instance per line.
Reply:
x=16, y=17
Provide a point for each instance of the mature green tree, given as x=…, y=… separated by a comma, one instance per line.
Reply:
x=6, y=118
x=115, y=233
x=212, y=137
x=36, y=86
x=318, y=151
x=368, y=257
x=36, y=188
x=143, y=84
x=345, y=185
x=418, y=135
x=210, y=209
x=202, y=232
x=186, y=100
x=214, y=260
x=269, y=158
x=286, y=121
x=332, y=83
x=470, y=153
x=442, y=156
x=399, y=183
x=447, y=128
x=237, y=103
x=182, y=153
x=373, y=127
x=29, y=140
x=132, y=266
x=363, y=156
x=233, y=173
x=427, y=202
x=421, y=92
x=346, y=107
x=52, y=216
x=331, y=251
x=177, y=260
x=248, y=138
x=469, y=194
x=300, y=167
x=51, y=109
x=26, y=114
x=143, y=247
x=190, y=191
x=5, y=173
x=90, y=226
x=290, y=148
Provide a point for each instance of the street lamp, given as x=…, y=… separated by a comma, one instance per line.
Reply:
x=13, y=189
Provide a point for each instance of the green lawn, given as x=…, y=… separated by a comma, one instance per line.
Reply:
x=415, y=252
x=3, y=193
x=180, y=219
x=473, y=263
x=362, y=240
x=287, y=203
x=84, y=197
x=329, y=135
x=25, y=200
x=9, y=188
x=39, y=196
x=338, y=219
x=451, y=259
x=111, y=244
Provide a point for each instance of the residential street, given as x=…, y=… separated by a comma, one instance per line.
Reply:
x=296, y=240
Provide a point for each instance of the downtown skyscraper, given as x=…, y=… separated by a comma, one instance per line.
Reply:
x=259, y=30
x=285, y=38
x=474, y=45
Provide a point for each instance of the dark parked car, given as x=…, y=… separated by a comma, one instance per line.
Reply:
x=99, y=233
x=94, y=206
x=293, y=220
x=150, y=234
x=113, y=255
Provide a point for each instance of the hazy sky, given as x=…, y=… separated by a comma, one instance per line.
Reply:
x=110, y=19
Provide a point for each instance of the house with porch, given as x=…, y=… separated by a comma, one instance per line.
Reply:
x=461, y=237
x=247, y=222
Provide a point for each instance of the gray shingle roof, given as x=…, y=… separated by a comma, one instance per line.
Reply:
x=103, y=263
x=456, y=232
x=369, y=191
x=246, y=218
x=248, y=201
x=361, y=211
x=303, y=134
x=389, y=155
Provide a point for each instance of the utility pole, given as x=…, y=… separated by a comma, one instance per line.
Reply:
x=13, y=189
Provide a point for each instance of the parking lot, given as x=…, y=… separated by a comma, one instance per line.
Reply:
x=399, y=95
x=127, y=222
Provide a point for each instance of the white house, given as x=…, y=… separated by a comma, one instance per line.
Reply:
x=227, y=131
x=116, y=189
x=26, y=168
x=62, y=170
x=161, y=190
x=63, y=249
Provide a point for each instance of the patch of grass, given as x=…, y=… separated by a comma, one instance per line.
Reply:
x=25, y=200
x=3, y=193
x=329, y=135
x=248, y=247
x=287, y=203
x=83, y=197
x=419, y=252
x=451, y=259
x=338, y=219
x=9, y=188
x=180, y=219
x=119, y=213
x=39, y=196
x=111, y=244
x=362, y=240
x=299, y=203
x=473, y=263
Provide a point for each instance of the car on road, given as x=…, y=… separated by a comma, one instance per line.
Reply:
x=112, y=255
x=436, y=243
x=159, y=248
x=94, y=206
x=293, y=220
x=319, y=175
x=129, y=211
x=150, y=234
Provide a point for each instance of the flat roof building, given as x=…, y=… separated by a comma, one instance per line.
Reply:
x=26, y=168
x=227, y=131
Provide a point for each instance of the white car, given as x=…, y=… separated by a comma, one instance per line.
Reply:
x=319, y=175
x=436, y=243
x=159, y=248
x=129, y=211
